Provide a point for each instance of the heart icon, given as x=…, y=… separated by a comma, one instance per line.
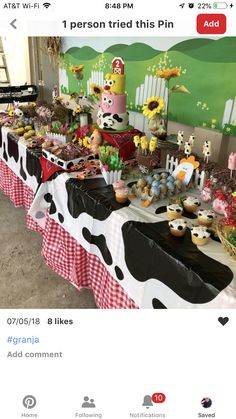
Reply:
x=223, y=320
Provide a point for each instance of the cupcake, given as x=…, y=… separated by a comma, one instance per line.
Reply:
x=190, y=203
x=178, y=227
x=206, y=217
x=174, y=211
x=122, y=195
x=118, y=184
x=200, y=235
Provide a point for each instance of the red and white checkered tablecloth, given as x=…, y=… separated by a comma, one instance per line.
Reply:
x=63, y=254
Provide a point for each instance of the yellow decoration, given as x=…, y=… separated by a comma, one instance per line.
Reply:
x=168, y=73
x=153, y=144
x=86, y=142
x=137, y=140
x=115, y=83
x=76, y=68
x=144, y=142
x=11, y=112
x=19, y=131
x=59, y=98
x=28, y=128
x=96, y=89
x=153, y=106
x=77, y=110
x=191, y=160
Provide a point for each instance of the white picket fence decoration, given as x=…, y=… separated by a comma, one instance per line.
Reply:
x=229, y=116
x=152, y=86
x=56, y=137
x=171, y=163
x=97, y=77
x=64, y=78
x=198, y=177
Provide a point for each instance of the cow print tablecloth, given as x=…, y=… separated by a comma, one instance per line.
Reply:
x=23, y=162
x=154, y=268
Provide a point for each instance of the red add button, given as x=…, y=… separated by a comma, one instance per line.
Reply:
x=211, y=23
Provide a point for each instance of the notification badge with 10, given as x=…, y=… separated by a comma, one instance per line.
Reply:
x=158, y=398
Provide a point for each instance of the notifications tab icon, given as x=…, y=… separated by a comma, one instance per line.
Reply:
x=211, y=24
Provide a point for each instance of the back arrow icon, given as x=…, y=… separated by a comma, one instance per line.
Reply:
x=13, y=24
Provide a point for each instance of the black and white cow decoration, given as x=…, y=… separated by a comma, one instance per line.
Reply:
x=180, y=138
x=112, y=122
x=24, y=163
x=187, y=148
x=191, y=140
x=207, y=150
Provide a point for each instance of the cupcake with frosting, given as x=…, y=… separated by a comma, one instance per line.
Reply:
x=206, y=217
x=122, y=195
x=118, y=184
x=174, y=211
x=200, y=235
x=191, y=203
x=178, y=227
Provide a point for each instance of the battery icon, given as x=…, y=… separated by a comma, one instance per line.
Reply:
x=220, y=5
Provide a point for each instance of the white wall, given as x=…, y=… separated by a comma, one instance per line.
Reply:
x=17, y=57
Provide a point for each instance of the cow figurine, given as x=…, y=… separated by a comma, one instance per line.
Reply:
x=187, y=148
x=206, y=150
x=180, y=138
x=191, y=140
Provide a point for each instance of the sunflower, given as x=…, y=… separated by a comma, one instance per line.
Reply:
x=168, y=73
x=96, y=90
x=77, y=110
x=76, y=68
x=11, y=112
x=153, y=106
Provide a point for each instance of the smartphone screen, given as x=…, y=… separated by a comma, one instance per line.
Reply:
x=117, y=209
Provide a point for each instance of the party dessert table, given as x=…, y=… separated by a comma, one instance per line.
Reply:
x=124, y=252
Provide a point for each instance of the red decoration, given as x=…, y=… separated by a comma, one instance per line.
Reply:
x=222, y=195
x=118, y=65
x=123, y=141
x=48, y=169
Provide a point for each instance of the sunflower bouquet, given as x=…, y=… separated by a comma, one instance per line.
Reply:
x=155, y=108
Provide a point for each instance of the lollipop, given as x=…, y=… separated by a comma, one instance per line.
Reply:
x=137, y=140
x=144, y=143
x=153, y=144
x=232, y=163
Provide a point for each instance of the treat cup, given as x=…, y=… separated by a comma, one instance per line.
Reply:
x=178, y=227
x=112, y=176
x=122, y=195
x=174, y=211
x=200, y=235
x=119, y=184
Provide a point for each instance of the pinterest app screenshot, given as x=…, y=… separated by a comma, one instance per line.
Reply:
x=117, y=209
